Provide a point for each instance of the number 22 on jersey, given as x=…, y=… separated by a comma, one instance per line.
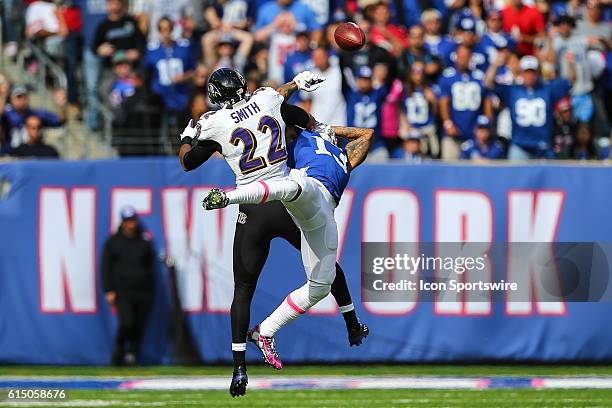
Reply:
x=276, y=152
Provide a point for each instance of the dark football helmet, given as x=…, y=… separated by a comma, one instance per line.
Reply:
x=226, y=86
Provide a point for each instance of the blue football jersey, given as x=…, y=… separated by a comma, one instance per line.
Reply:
x=491, y=43
x=466, y=93
x=531, y=111
x=322, y=160
x=363, y=109
x=418, y=111
x=165, y=64
x=295, y=63
x=472, y=150
x=478, y=61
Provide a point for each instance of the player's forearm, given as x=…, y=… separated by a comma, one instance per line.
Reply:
x=357, y=149
x=352, y=133
x=287, y=89
x=192, y=157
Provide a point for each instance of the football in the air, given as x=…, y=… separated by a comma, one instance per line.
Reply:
x=349, y=36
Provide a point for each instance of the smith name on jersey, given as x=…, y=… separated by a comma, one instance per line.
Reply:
x=251, y=135
x=322, y=160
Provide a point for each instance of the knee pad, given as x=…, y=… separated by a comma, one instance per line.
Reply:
x=317, y=291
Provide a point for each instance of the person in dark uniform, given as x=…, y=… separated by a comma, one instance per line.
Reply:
x=129, y=282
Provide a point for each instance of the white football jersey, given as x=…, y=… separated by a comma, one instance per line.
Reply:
x=252, y=136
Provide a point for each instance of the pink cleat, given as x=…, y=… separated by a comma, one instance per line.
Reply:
x=267, y=347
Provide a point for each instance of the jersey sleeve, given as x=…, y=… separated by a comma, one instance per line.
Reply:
x=268, y=96
x=503, y=92
x=444, y=87
x=560, y=88
x=205, y=128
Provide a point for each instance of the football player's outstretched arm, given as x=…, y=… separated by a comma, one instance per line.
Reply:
x=193, y=152
x=304, y=81
x=287, y=89
x=360, y=142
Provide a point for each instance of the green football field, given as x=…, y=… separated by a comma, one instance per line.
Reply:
x=490, y=398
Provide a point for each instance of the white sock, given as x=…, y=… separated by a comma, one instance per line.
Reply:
x=262, y=191
x=295, y=304
x=347, y=308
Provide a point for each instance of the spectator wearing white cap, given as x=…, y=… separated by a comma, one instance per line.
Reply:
x=484, y=146
x=531, y=107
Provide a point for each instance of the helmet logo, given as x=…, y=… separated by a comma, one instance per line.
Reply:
x=213, y=91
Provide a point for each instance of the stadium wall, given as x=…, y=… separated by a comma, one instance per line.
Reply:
x=55, y=217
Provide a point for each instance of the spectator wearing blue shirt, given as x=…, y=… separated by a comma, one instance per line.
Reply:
x=266, y=22
x=417, y=51
x=435, y=41
x=419, y=105
x=364, y=104
x=531, y=107
x=171, y=64
x=413, y=152
x=124, y=85
x=18, y=110
x=483, y=146
x=495, y=38
x=298, y=61
x=465, y=34
x=464, y=98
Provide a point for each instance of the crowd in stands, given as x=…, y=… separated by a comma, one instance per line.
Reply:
x=449, y=79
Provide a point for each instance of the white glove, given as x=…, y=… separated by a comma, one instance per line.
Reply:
x=326, y=132
x=189, y=131
x=308, y=81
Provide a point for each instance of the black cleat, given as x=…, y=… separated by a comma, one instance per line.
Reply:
x=357, y=334
x=239, y=381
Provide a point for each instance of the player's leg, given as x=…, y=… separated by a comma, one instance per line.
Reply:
x=249, y=255
x=313, y=212
x=319, y=257
x=339, y=289
x=263, y=191
x=258, y=192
